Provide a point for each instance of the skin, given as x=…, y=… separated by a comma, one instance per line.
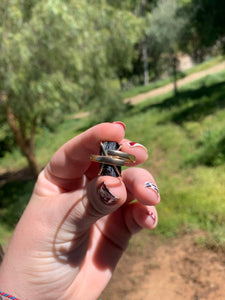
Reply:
x=68, y=241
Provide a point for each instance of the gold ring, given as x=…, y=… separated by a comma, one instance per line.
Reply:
x=115, y=158
x=128, y=157
x=108, y=160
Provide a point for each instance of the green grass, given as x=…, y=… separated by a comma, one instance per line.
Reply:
x=209, y=63
x=185, y=135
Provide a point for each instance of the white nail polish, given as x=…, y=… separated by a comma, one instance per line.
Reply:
x=153, y=217
x=152, y=186
x=133, y=145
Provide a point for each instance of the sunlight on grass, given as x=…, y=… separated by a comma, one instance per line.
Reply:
x=180, y=130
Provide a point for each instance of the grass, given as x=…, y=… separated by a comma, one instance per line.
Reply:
x=185, y=135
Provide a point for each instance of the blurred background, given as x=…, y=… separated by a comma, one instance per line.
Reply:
x=158, y=66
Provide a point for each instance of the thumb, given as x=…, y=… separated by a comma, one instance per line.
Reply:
x=99, y=197
x=103, y=196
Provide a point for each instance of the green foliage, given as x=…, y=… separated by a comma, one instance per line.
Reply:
x=6, y=140
x=211, y=149
x=164, y=27
x=204, y=33
x=165, y=24
x=58, y=57
x=14, y=198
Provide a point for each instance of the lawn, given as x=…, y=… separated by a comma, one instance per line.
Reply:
x=185, y=135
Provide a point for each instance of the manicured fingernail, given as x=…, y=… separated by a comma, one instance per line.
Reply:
x=152, y=186
x=152, y=216
x=106, y=196
x=120, y=123
x=133, y=144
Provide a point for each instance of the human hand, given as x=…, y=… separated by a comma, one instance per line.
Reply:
x=77, y=225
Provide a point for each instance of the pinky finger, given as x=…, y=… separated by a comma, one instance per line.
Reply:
x=138, y=216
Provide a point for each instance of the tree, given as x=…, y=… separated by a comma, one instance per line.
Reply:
x=122, y=40
x=205, y=28
x=144, y=47
x=57, y=56
x=139, y=67
x=165, y=27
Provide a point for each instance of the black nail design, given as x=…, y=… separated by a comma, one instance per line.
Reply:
x=106, y=196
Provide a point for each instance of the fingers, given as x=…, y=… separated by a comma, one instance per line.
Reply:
x=127, y=146
x=136, y=149
x=141, y=185
x=106, y=194
x=72, y=160
x=101, y=196
x=138, y=216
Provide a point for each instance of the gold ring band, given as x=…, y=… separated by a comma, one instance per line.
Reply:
x=108, y=160
x=115, y=158
x=128, y=157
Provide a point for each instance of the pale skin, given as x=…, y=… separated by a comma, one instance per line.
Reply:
x=68, y=241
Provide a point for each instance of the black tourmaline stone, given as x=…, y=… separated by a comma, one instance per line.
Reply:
x=109, y=170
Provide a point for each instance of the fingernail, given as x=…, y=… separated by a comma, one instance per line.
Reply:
x=152, y=216
x=152, y=186
x=120, y=123
x=106, y=196
x=133, y=144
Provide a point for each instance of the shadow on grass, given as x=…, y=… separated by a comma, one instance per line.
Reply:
x=211, y=153
x=192, y=105
x=15, y=191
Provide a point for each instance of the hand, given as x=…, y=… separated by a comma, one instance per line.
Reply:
x=77, y=225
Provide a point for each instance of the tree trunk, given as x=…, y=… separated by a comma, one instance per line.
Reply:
x=26, y=144
x=33, y=165
x=144, y=47
x=174, y=75
x=145, y=63
x=173, y=64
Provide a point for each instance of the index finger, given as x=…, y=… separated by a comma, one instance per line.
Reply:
x=72, y=160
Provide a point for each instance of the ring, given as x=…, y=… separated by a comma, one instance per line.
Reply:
x=109, y=160
x=128, y=157
x=114, y=159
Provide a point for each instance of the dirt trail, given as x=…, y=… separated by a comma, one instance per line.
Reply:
x=178, y=269
x=164, y=89
x=169, y=87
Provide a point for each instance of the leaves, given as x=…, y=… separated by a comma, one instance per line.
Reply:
x=54, y=48
x=57, y=56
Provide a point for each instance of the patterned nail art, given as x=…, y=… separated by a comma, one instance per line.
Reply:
x=152, y=216
x=133, y=144
x=106, y=196
x=150, y=185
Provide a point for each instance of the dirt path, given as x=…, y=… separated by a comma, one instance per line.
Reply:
x=176, y=270
x=164, y=89
x=169, y=87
